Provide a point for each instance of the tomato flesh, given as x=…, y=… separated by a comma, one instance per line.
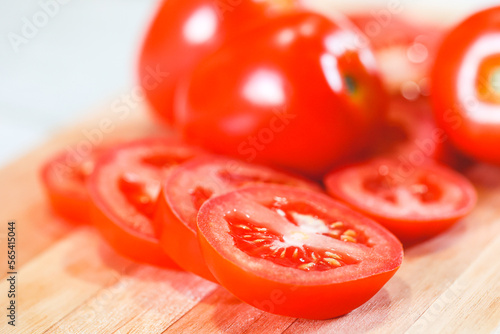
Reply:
x=414, y=202
x=191, y=185
x=324, y=258
x=124, y=189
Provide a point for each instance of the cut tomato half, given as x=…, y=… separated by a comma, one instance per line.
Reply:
x=295, y=252
x=414, y=202
x=64, y=177
x=124, y=188
x=189, y=186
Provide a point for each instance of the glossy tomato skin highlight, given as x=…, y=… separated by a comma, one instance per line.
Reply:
x=184, y=32
x=189, y=186
x=465, y=93
x=283, y=289
x=413, y=202
x=124, y=188
x=297, y=93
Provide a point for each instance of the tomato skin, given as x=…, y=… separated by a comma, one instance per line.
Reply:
x=290, y=293
x=177, y=240
x=63, y=177
x=175, y=216
x=128, y=242
x=184, y=32
x=321, y=101
x=413, y=226
x=126, y=225
x=464, y=94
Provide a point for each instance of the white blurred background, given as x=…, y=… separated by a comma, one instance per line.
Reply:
x=85, y=53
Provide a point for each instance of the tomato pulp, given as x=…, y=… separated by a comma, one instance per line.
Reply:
x=189, y=186
x=295, y=252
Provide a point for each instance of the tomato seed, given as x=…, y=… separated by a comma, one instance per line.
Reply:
x=332, y=262
x=306, y=266
x=347, y=238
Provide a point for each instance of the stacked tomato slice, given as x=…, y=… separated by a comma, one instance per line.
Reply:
x=257, y=230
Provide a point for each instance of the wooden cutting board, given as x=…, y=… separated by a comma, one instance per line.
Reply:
x=70, y=281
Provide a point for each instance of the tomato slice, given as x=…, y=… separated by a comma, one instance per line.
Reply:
x=414, y=202
x=295, y=252
x=189, y=186
x=124, y=188
x=64, y=177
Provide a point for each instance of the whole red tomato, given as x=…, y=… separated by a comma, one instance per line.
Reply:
x=184, y=32
x=466, y=85
x=298, y=92
x=404, y=50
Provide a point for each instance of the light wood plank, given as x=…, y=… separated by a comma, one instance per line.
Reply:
x=143, y=300
x=221, y=312
x=478, y=288
x=61, y=279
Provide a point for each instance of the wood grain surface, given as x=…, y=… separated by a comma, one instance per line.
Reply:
x=70, y=281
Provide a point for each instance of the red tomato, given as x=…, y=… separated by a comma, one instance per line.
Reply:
x=184, y=32
x=405, y=51
x=295, y=252
x=63, y=177
x=189, y=186
x=124, y=188
x=466, y=86
x=410, y=134
x=414, y=202
x=296, y=93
